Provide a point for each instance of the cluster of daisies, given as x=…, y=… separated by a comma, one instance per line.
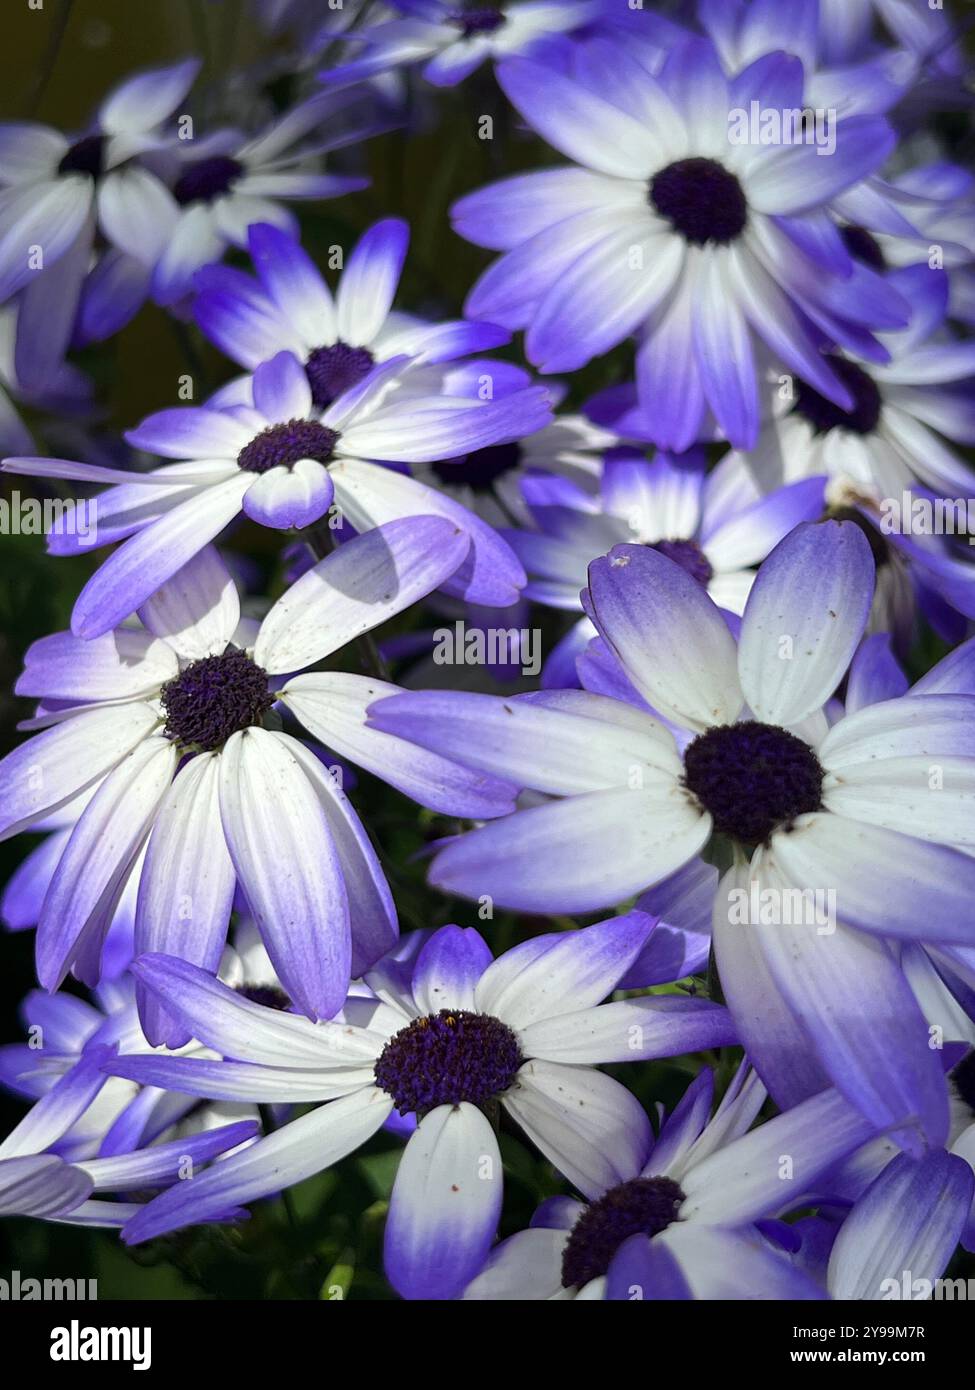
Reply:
x=696, y=433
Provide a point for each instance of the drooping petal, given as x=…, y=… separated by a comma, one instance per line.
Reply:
x=186, y=889
x=445, y=1204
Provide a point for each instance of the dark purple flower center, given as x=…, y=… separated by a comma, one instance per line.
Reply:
x=863, y=247
x=701, y=200
x=446, y=1058
x=964, y=1078
x=332, y=370
x=205, y=179
x=690, y=557
x=753, y=777
x=281, y=446
x=86, y=156
x=824, y=415
x=481, y=469
x=477, y=20
x=214, y=698
x=271, y=996
x=642, y=1206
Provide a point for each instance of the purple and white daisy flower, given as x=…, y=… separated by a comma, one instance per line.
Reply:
x=339, y=337
x=873, y=812
x=903, y=410
x=716, y=526
x=283, y=463
x=226, y=180
x=57, y=191
x=62, y=1028
x=448, y=1035
x=665, y=227
x=172, y=722
x=34, y=1181
x=680, y=1221
x=905, y=1227
x=453, y=39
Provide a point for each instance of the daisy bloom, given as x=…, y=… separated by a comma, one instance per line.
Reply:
x=339, y=337
x=282, y=463
x=680, y=1222
x=873, y=812
x=175, y=722
x=667, y=227
x=448, y=1036
x=37, y=1182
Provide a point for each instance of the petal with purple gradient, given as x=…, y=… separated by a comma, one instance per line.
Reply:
x=575, y=855
x=196, y=612
x=591, y=1128
x=364, y=582
x=333, y=705
x=910, y=1218
x=445, y=1204
x=239, y=1028
x=293, y=282
x=289, y=499
x=580, y=747
x=136, y=570
x=50, y=769
x=300, y=1149
x=369, y=280
x=118, y=665
x=92, y=871
x=569, y=971
x=186, y=889
x=671, y=639
x=804, y=618
x=372, y=913
x=926, y=888
x=630, y=1030
x=448, y=968
x=288, y=867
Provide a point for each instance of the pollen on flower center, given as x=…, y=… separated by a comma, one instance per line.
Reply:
x=481, y=469
x=205, y=179
x=701, y=199
x=214, y=698
x=477, y=20
x=334, y=369
x=281, y=446
x=642, y=1206
x=690, y=557
x=753, y=777
x=446, y=1058
x=824, y=415
x=86, y=156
